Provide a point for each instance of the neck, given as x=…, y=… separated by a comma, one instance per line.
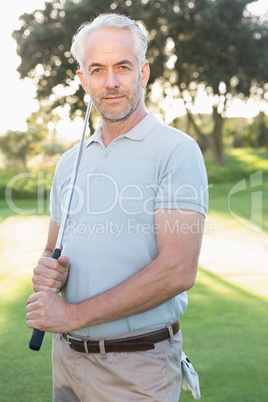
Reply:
x=113, y=129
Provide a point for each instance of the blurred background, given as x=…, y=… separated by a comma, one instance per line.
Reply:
x=209, y=78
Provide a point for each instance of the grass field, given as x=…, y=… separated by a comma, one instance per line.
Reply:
x=225, y=329
x=248, y=169
x=225, y=334
x=24, y=375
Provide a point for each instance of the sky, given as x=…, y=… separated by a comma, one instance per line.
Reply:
x=16, y=95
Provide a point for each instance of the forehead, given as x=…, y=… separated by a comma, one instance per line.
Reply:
x=108, y=45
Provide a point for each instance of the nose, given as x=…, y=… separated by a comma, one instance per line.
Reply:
x=111, y=80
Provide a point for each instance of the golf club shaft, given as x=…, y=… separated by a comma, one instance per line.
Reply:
x=37, y=335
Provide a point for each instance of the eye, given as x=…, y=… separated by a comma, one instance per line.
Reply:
x=123, y=68
x=97, y=70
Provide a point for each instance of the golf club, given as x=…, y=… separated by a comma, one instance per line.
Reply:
x=37, y=335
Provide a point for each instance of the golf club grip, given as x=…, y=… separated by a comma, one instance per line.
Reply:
x=36, y=339
x=37, y=335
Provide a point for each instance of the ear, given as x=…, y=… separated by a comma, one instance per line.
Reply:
x=82, y=80
x=145, y=71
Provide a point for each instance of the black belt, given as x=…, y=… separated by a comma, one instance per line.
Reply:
x=131, y=344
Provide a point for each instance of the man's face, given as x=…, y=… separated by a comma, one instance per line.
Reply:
x=113, y=75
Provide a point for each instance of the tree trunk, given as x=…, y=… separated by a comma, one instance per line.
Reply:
x=217, y=140
x=202, y=139
x=262, y=133
x=25, y=165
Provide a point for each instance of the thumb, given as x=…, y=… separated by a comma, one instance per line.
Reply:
x=64, y=261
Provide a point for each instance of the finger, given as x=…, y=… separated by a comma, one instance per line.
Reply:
x=32, y=298
x=42, y=288
x=32, y=324
x=34, y=320
x=48, y=262
x=46, y=266
x=30, y=307
x=43, y=273
x=53, y=281
x=51, y=264
x=34, y=308
x=37, y=298
x=55, y=272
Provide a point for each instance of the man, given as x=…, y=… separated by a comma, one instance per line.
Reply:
x=133, y=237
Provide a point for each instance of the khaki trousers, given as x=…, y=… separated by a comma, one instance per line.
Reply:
x=153, y=375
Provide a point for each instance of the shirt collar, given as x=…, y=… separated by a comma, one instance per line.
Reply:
x=96, y=137
x=137, y=133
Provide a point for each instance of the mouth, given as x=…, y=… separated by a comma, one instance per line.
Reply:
x=113, y=98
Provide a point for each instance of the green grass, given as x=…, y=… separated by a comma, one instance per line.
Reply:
x=22, y=208
x=21, y=185
x=225, y=332
x=241, y=205
x=24, y=375
x=225, y=329
x=242, y=165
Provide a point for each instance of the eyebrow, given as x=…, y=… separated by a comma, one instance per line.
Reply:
x=124, y=61
x=95, y=65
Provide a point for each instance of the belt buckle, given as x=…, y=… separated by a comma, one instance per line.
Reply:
x=85, y=347
x=71, y=338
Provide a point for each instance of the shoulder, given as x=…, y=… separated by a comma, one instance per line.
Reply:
x=163, y=132
x=65, y=164
x=68, y=155
x=170, y=138
x=67, y=158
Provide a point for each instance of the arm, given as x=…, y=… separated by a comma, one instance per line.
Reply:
x=172, y=272
x=50, y=274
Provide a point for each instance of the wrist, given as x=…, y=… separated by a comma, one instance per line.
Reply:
x=75, y=317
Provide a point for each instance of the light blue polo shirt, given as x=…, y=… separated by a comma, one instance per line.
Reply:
x=111, y=233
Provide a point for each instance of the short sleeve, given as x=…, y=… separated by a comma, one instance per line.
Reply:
x=184, y=182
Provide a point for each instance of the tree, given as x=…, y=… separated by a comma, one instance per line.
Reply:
x=210, y=45
x=218, y=47
x=223, y=52
x=19, y=146
x=256, y=133
x=39, y=138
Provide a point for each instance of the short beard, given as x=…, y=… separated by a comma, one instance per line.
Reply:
x=131, y=107
x=124, y=117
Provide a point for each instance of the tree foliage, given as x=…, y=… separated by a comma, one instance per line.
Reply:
x=256, y=134
x=210, y=45
x=19, y=146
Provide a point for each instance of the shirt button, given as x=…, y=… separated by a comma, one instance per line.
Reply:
x=106, y=155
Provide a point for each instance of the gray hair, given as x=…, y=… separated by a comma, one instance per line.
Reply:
x=113, y=21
